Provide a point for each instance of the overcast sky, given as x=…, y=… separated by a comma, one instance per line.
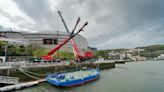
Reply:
x=112, y=23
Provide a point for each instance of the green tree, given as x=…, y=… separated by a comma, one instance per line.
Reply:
x=64, y=55
x=2, y=46
x=40, y=52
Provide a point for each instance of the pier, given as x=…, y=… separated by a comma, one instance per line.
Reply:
x=9, y=80
x=21, y=85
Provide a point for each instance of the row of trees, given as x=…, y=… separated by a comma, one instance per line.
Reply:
x=2, y=46
x=38, y=51
x=31, y=50
x=13, y=50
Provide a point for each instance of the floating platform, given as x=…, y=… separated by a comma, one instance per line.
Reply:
x=73, y=78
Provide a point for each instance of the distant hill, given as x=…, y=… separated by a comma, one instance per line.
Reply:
x=152, y=51
x=153, y=47
x=149, y=51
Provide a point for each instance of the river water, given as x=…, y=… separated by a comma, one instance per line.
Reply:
x=145, y=76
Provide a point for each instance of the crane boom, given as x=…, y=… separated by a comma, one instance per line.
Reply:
x=75, y=49
x=57, y=47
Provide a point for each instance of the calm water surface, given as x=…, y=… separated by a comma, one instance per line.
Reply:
x=130, y=77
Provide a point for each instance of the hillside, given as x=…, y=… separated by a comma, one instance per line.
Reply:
x=149, y=51
x=152, y=51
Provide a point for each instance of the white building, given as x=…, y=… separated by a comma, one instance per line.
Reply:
x=139, y=58
x=160, y=57
x=48, y=39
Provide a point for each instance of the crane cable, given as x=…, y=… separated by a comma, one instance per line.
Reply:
x=28, y=74
x=33, y=72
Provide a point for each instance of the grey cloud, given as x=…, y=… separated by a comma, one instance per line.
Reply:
x=129, y=16
x=10, y=17
x=112, y=23
x=40, y=12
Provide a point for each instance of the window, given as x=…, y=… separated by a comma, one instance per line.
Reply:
x=47, y=41
x=50, y=41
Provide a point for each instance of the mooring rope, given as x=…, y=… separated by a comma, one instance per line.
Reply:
x=33, y=72
x=28, y=74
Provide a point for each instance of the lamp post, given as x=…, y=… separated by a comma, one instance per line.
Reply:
x=6, y=48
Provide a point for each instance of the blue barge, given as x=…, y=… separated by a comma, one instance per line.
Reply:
x=73, y=78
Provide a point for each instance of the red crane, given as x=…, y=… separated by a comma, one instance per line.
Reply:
x=49, y=57
x=78, y=56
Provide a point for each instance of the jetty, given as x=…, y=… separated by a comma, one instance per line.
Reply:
x=20, y=85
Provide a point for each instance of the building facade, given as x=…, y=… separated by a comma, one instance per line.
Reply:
x=48, y=39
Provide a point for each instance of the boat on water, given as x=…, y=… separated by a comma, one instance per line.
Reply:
x=73, y=78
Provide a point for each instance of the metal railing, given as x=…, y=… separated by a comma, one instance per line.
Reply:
x=9, y=80
x=28, y=64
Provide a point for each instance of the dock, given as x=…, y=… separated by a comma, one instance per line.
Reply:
x=122, y=61
x=21, y=85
